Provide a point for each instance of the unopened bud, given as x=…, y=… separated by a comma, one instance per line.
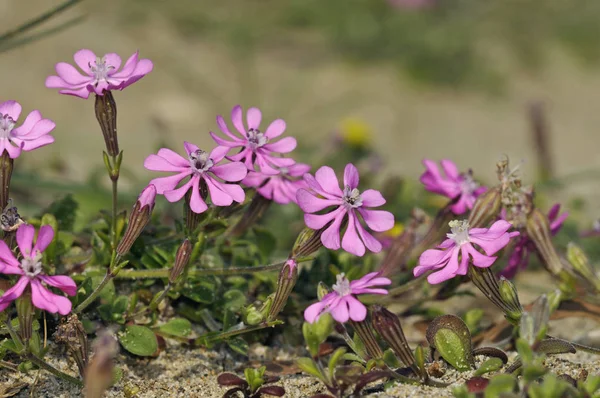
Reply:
x=364, y=331
x=99, y=373
x=285, y=284
x=71, y=333
x=485, y=280
x=509, y=295
x=308, y=242
x=138, y=219
x=322, y=290
x=486, y=208
x=182, y=258
x=581, y=264
x=388, y=326
x=6, y=169
x=106, y=113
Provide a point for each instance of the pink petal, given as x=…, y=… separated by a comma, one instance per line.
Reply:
x=61, y=282
x=254, y=179
x=318, y=221
x=479, y=259
x=236, y=119
x=84, y=58
x=14, y=292
x=173, y=157
x=331, y=236
x=48, y=301
x=81, y=92
x=218, y=196
x=7, y=256
x=159, y=163
x=175, y=195
x=278, y=161
x=351, y=242
x=234, y=171
x=313, y=311
x=299, y=169
x=326, y=178
x=189, y=147
x=370, y=241
x=284, y=145
x=70, y=75
x=112, y=59
x=262, y=162
x=339, y=312
x=11, y=108
x=13, y=151
x=447, y=272
x=44, y=238
x=38, y=130
x=218, y=153
x=55, y=82
x=253, y=117
x=434, y=258
x=223, y=127
x=169, y=183
x=372, y=198
x=25, y=235
x=351, y=177
x=450, y=169
x=275, y=129
x=197, y=204
x=309, y=203
x=358, y=311
x=128, y=68
x=377, y=220
x=27, y=126
x=222, y=142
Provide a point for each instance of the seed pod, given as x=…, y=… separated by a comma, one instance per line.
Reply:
x=287, y=280
x=388, y=326
x=106, y=113
x=182, y=258
x=139, y=217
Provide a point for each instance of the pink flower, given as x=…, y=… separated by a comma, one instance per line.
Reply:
x=147, y=197
x=99, y=73
x=32, y=273
x=453, y=184
x=519, y=258
x=282, y=187
x=341, y=303
x=204, y=169
x=453, y=259
x=32, y=134
x=256, y=148
x=325, y=192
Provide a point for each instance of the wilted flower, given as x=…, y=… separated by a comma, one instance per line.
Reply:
x=454, y=185
x=519, y=257
x=32, y=273
x=280, y=188
x=203, y=168
x=256, y=148
x=453, y=258
x=100, y=73
x=341, y=303
x=32, y=134
x=324, y=191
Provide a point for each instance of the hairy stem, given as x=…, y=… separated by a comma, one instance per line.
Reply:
x=111, y=272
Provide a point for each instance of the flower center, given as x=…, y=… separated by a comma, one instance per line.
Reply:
x=6, y=125
x=100, y=69
x=256, y=139
x=200, y=161
x=352, y=197
x=32, y=266
x=460, y=231
x=342, y=285
x=468, y=184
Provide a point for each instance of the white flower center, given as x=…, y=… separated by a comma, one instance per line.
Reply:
x=6, y=125
x=352, y=197
x=200, y=161
x=256, y=139
x=100, y=69
x=342, y=285
x=468, y=185
x=460, y=231
x=32, y=266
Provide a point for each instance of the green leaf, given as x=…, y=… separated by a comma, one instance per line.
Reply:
x=335, y=358
x=311, y=339
x=265, y=241
x=254, y=377
x=472, y=319
x=178, y=327
x=138, y=340
x=238, y=345
x=390, y=359
x=307, y=365
x=500, y=384
x=201, y=291
x=234, y=299
x=490, y=365
x=450, y=336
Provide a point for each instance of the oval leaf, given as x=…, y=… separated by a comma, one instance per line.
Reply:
x=451, y=337
x=490, y=365
x=138, y=340
x=177, y=327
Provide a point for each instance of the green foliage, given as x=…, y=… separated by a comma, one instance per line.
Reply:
x=138, y=340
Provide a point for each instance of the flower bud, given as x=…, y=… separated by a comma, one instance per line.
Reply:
x=486, y=208
x=509, y=295
x=287, y=280
x=6, y=169
x=182, y=258
x=106, y=113
x=364, y=331
x=139, y=217
x=388, y=326
x=581, y=264
x=485, y=280
x=71, y=333
x=99, y=373
x=307, y=242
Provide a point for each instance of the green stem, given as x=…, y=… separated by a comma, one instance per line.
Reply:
x=110, y=274
x=164, y=272
x=115, y=179
x=226, y=335
x=46, y=366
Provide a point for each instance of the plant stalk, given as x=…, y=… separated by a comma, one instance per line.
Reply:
x=46, y=366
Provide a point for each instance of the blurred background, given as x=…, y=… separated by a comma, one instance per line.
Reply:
x=407, y=79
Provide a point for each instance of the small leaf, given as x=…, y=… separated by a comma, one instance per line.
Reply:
x=450, y=336
x=178, y=327
x=335, y=358
x=238, y=345
x=138, y=340
x=490, y=365
x=229, y=379
x=555, y=346
x=254, y=377
x=500, y=384
x=307, y=365
x=275, y=391
x=472, y=319
x=390, y=359
x=234, y=300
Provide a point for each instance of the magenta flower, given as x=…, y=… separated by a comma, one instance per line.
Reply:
x=282, y=187
x=99, y=73
x=519, y=258
x=32, y=134
x=341, y=303
x=453, y=184
x=203, y=168
x=458, y=249
x=32, y=273
x=349, y=204
x=256, y=147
